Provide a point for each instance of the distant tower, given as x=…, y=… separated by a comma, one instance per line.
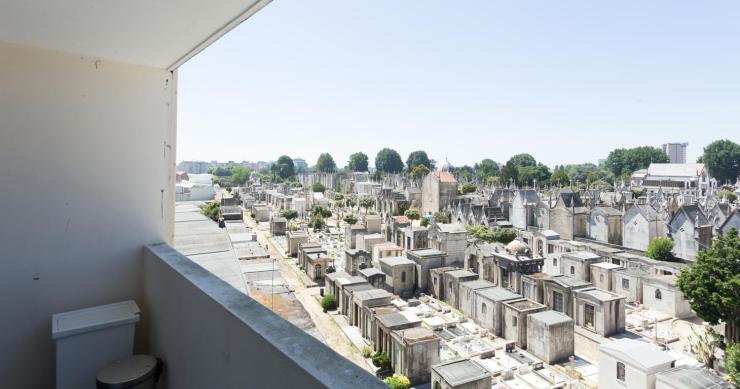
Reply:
x=676, y=152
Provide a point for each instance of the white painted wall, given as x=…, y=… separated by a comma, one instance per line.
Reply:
x=71, y=125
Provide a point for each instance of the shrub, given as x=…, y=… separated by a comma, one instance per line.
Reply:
x=382, y=361
x=469, y=187
x=412, y=214
x=367, y=352
x=441, y=217
x=212, y=210
x=289, y=214
x=733, y=363
x=424, y=222
x=329, y=302
x=350, y=219
x=504, y=235
x=660, y=249
x=398, y=381
x=318, y=187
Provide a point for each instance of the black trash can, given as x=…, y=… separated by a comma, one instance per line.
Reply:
x=135, y=372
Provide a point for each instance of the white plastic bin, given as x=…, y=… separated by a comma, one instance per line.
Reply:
x=89, y=339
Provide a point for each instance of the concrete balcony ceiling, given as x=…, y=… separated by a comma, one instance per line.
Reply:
x=160, y=34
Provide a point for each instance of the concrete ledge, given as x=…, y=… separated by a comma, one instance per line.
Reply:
x=212, y=335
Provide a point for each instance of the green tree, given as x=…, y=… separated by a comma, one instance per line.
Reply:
x=326, y=164
x=712, y=284
x=388, y=161
x=358, y=162
x=417, y=158
x=289, y=214
x=382, y=361
x=350, y=219
x=660, y=249
x=220, y=171
x=522, y=160
x=412, y=214
x=367, y=202
x=509, y=173
x=624, y=162
x=284, y=167
x=441, y=217
x=318, y=187
x=398, y=381
x=464, y=173
x=559, y=177
x=733, y=363
x=240, y=175
x=481, y=232
x=419, y=171
x=316, y=222
x=469, y=187
x=486, y=168
x=424, y=222
x=528, y=174
x=722, y=158
x=329, y=302
x=731, y=196
x=321, y=211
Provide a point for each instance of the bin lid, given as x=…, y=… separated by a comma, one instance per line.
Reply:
x=94, y=318
x=127, y=372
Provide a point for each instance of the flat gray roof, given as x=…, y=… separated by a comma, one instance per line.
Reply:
x=400, y=318
x=460, y=273
x=393, y=261
x=550, y=317
x=691, y=377
x=461, y=371
x=477, y=284
x=498, y=294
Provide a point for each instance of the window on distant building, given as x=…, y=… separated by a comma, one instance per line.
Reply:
x=620, y=371
x=572, y=270
x=513, y=321
x=403, y=276
x=625, y=283
x=483, y=308
x=658, y=294
x=601, y=277
x=554, y=261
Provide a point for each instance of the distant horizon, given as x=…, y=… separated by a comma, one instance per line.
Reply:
x=565, y=83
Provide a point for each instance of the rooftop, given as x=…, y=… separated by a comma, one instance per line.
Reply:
x=584, y=255
x=524, y=305
x=417, y=334
x=398, y=319
x=460, y=372
x=461, y=273
x=598, y=294
x=550, y=317
x=371, y=294
x=426, y=252
x=477, y=284
x=395, y=261
x=606, y=265
x=370, y=271
x=498, y=294
x=691, y=377
x=637, y=353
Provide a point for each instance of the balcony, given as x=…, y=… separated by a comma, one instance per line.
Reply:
x=211, y=335
x=88, y=107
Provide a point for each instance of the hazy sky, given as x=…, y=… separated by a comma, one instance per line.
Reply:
x=566, y=81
